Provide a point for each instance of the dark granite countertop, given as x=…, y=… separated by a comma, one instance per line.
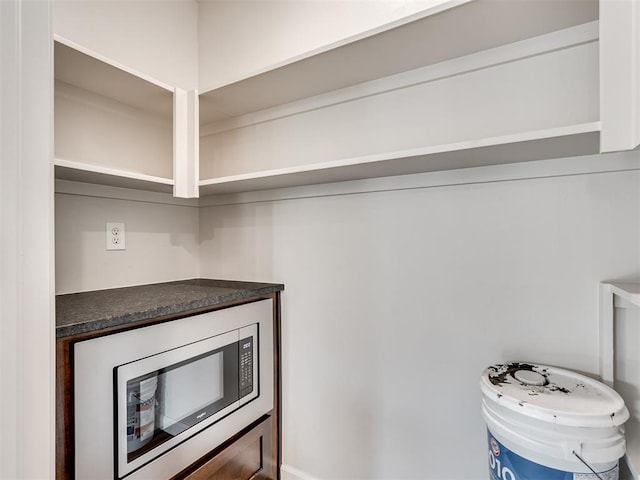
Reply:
x=91, y=311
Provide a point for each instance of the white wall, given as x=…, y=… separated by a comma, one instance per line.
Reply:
x=93, y=129
x=156, y=38
x=26, y=243
x=397, y=300
x=161, y=241
x=247, y=36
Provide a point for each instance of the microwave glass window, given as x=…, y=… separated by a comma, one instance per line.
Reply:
x=179, y=400
x=166, y=402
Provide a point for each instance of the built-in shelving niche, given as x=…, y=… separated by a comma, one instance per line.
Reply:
x=463, y=84
x=619, y=357
x=112, y=127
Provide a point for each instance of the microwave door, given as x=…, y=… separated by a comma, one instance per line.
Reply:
x=180, y=400
x=164, y=398
x=197, y=389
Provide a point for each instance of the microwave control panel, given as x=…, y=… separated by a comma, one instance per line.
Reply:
x=246, y=366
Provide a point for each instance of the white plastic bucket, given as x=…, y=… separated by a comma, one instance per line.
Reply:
x=141, y=402
x=546, y=423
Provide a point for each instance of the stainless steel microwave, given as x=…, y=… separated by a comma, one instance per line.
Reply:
x=150, y=402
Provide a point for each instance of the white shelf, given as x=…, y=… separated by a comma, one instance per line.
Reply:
x=621, y=295
x=108, y=119
x=629, y=293
x=89, y=73
x=80, y=172
x=453, y=40
x=632, y=457
x=554, y=143
x=452, y=29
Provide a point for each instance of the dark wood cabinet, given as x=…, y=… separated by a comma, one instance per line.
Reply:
x=247, y=457
x=252, y=453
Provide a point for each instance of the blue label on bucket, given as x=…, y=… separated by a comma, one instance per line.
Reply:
x=507, y=465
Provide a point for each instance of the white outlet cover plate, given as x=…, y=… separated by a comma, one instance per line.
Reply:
x=115, y=236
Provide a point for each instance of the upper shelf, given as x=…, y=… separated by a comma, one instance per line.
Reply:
x=112, y=126
x=91, y=74
x=78, y=172
x=553, y=143
x=628, y=292
x=452, y=29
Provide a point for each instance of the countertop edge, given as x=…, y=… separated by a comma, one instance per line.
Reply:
x=197, y=306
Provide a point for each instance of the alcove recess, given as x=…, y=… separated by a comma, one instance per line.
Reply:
x=112, y=127
x=464, y=83
x=619, y=317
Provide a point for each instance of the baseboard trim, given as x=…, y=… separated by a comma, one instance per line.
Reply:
x=287, y=472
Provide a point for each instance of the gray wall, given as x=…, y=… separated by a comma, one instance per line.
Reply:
x=399, y=292
x=396, y=301
x=161, y=242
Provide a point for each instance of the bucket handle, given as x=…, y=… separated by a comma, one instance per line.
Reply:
x=587, y=465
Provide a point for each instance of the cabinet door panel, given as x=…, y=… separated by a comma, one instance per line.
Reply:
x=247, y=458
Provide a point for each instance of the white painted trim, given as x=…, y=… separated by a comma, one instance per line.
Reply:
x=27, y=301
x=10, y=279
x=557, y=167
x=109, y=61
x=606, y=335
x=619, y=71
x=543, y=44
x=186, y=143
x=613, y=295
x=287, y=472
x=66, y=187
x=86, y=167
x=442, y=6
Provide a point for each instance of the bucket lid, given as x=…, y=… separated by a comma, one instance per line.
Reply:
x=553, y=395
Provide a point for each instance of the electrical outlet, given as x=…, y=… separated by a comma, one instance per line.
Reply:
x=115, y=236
